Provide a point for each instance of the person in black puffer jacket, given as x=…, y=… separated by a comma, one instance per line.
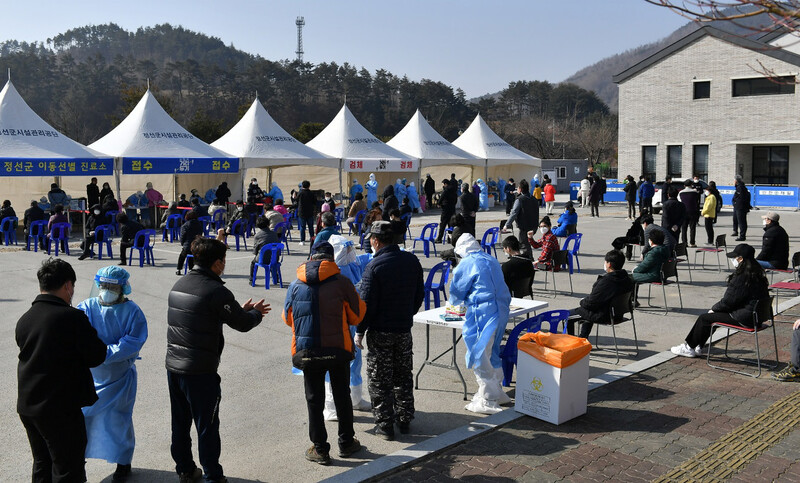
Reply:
x=775, y=244
x=447, y=201
x=191, y=229
x=306, y=208
x=198, y=306
x=747, y=285
x=389, y=202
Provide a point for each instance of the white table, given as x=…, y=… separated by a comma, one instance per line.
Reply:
x=433, y=317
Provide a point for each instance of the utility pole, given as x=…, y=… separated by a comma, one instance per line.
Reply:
x=300, y=22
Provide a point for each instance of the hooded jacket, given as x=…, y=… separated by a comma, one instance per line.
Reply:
x=389, y=202
x=594, y=307
x=740, y=299
x=319, y=307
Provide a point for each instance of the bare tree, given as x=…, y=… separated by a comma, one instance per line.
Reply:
x=739, y=12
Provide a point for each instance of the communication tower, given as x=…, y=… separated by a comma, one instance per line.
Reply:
x=300, y=22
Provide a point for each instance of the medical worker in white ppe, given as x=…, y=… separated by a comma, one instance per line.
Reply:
x=121, y=325
x=483, y=198
x=478, y=284
x=372, y=191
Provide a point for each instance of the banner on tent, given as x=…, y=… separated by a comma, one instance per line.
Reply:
x=371, y=165
x=56, y=167
x=179, y=165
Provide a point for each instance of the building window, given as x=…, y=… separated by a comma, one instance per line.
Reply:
x=702, y=89
x=771, y=164
x=561, y=172
x=700, y=161
x=649, y=162
x=674, y=161
x=763, y=86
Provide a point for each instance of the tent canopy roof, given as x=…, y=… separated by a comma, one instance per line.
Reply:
x=420, y=140
x=25, y=135
x=479, y=140
x=261, y=142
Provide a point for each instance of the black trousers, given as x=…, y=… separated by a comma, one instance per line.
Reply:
x=87, y=244
x=509, y=203
x=525, y=246
x=195, y=398
x=631, y=209
x=690, y=226
x=594, y=207
x=710, y=230
x=740, y=223
x=314, y=381
x=469, y=222
x=58, y=444
x=646, y=206
x=182, y=258
x=701, y=331
x=579, y=315
x=123, y=251
x=444, y=221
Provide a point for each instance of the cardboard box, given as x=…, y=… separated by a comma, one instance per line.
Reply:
x=549, y=393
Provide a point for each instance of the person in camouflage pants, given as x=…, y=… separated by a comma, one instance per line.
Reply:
x=390, y=373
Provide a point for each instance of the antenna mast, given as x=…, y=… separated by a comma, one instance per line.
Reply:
x=300, y=22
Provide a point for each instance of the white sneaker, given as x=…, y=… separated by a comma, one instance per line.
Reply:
x=683, y=350
x=699, y=350
x=302, y=244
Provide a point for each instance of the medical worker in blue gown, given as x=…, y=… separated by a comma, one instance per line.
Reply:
x=356, y=188
x=372, y=191
x=400, y=190
x=121, y=325
x=501, y=190
x=483, y=198
x=413, y=197
x=275, y=193
x=478, y=284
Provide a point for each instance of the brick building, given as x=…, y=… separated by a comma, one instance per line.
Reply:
x=703, y=105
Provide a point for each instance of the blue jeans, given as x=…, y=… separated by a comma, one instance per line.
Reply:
x=195, y=398
x=306, y=223
x=765, y=264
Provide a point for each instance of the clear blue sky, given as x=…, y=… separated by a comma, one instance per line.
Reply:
x=479, y=46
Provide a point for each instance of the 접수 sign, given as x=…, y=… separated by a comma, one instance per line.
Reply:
x=179, y=165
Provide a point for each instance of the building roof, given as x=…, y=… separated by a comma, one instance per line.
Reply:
x=761, y=46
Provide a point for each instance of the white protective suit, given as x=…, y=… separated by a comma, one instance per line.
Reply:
x=372, y=191
x=478, y=284
x=483, y=198
x=109, y=421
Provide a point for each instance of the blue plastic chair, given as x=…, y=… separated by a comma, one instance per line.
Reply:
x=218, y=218
x=59, y=233
x=433, y=288
x=207, y=226
x=111, y=216
x=338, y=213
x=489, y=240
x=186, y=263
x=143, y=241
x=357, y=222
x=428, y=237
x=575, y=239
x=37, y=231
x=102, y=234
x=172, y=228
x=508, y=355
x=271, y=265
x=238, y=230
x=9, y=228
x=284, y=232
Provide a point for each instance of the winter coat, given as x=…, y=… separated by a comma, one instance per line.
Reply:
x=630, y=192
x=740, y=299
x=306, y=203
x=741, y=198
x=775, y=246
x=595, y=306
x=650, y=268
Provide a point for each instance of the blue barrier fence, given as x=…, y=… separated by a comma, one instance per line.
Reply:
x=760, y=196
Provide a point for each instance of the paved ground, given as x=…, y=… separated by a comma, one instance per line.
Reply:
x=264, y=429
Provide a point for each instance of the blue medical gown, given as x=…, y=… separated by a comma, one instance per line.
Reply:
x=400, y=192
x=210, y=195
x=109, y=421
x=483, y=198
x=276, y=194
x=372, y=193
x=501, y=189
x=478, y=284
x=413, y=197
x=356, y=188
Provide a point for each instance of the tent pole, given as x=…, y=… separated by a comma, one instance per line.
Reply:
x=242, y=173
x=341, y=164
x=117, y=176
x=486, y=172
x=269, y=177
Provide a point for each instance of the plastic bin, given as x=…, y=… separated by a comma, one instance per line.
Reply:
x=552, y=376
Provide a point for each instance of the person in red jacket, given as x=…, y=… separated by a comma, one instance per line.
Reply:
x=549, y=196
x=548, y=243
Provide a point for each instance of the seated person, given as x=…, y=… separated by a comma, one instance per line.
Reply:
x=197, y=208
x=34, y=213
x=358, y=205
x=517, y=267
x=251, y=208
x=94, y=220
x=775, y=243
x=263, y=236
x=399, y=226
x=325, y=209
x=172, y=210
x=567, y=221
x=239, y=214
x=272, y=215
x=6, y=210
x=191, y=229
x=58, y=216
x=459, y=225
x=747, y=285
x=329, y=201
x=278, y=206
x=183, y=202
x=634, y=236
x=405, y=207
x=594, y=308
x=548, y=243
x=375, y=214
x=792, y=370
x=649, y=225
x=127, y=230
x=650, y=268
x=216, y=206
x=328, y=225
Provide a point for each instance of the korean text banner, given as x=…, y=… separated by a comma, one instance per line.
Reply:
x=179, y=165
x=371, y=165
x=56, y=167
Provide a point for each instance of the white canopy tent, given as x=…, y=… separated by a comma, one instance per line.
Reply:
x=31, y=148
x=261, y=142
x=148, y=141
x=480, y=141
x=418, y=139
x=358, y=150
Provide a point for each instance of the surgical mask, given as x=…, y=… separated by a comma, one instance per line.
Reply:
x=543, y=229
x=96, y=212
x=735, y=262
x=107, y=297
x=239, y=208
x=764, y=222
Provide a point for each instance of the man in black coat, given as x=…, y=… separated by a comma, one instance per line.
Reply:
x=673, y=214
x=198, y=306
x=430, y=190
x=526, y=213
x=594, y=308
x=690, y=199
x=447, y=201
x=306, y=208
x=511, y=195
x=741, y=206
x=57, y=346
x=223, y=193
x=92, y=193
x=775, y=244
x=127, y=230
x=34, y=213
x=469, y=208
x=94, y=220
